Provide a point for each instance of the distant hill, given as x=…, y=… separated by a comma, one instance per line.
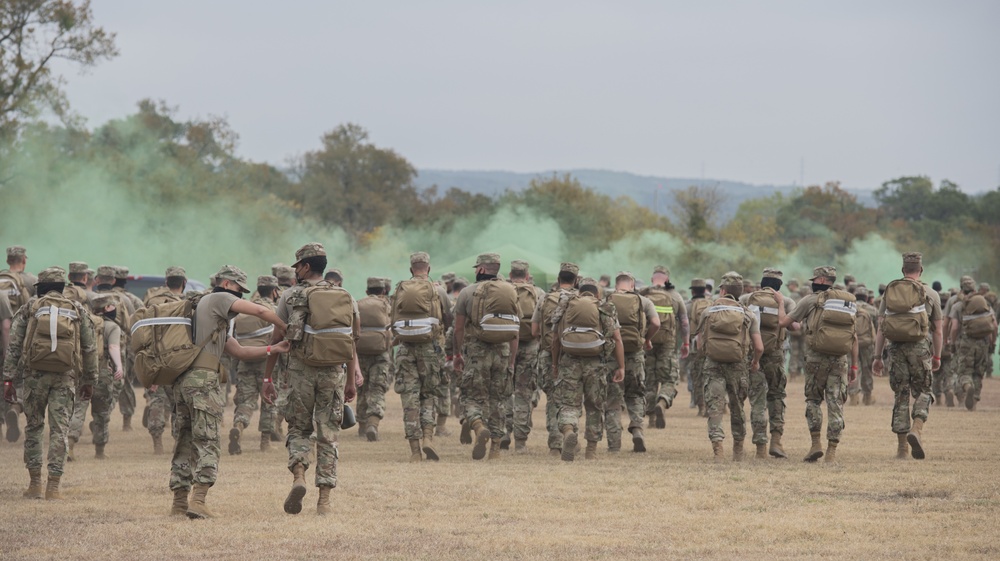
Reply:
x=649, y=191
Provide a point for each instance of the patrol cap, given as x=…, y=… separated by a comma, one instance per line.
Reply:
x=662, y=269
x=984, y=286
x=569, y=268
x=771, y=273
x=697, y=283
x=16, y=251
x=732, y=278
x=793, y=281
x=120, y=272
x=234, y=274
x=376, y=282
x=518, y=265
x=334, y=272
x=285, y=273
x=588, y=281
x=267, y=280
x=388, y=284
x=52, y=275
x=826, y=272
x=106, y=271
x=448, y=277
x=913, y=257
x=314, y=249
x=90, y=272
x=488, y=259
x=76, y=267
x=102, y=300
x=622, y=274
x=420, y=257
x=968, y=283
x=176, y=272
x=276, y=267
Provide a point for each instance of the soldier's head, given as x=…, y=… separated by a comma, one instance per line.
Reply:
x=698, y=288
x=459, y=285
x=267, y=287
x=387, y=285
x=420, y=264
x=568, y=273
x=731, y=285
x=823, y=278
x=771, y=278
x=793, y=285
x=176, y=278
x=121, y=276
x=106, y=275
x=78, y=273
x=448, y=279
x=967, y=284
x=104, y=305
x=589, y=286
x=913, y=264
x=285, y=275
x=487, y=266
x=17, y=257
x=310, y=261
x=661, y=275
x=334, y=277
x=232, y=279
x=984, y=288
x=52, y=279
x=519, y=271
x=625, y=280
x=604, y=281
x=936, y=286
x=376, y=287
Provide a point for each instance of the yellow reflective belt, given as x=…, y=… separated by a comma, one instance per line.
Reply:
x=664, y=309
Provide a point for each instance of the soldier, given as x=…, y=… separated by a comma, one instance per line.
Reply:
x=447, y=391
x=286, y=280
x=78, y=278
x=639, y=322
x=700, y=300
x=767, y=384
x=123, y=305
x=526, y=363
x=285, y=276
x=334, y=277
x=486, y=330
x=8, y=411
x=974, y=328
x=729, y=333
x=51, y=377
x=796, y=337
x=865, y=328
x=541, y=328
x=15, y=281
x=159, y=399
x=907, y=312
x=661, y=361
x=991, y=299
x=316, y=394
x=374, y=348
x=121, y=278
x=421, y=312
x=828, y=316
x=951, y=367
x=585, y=338
x=252, y=331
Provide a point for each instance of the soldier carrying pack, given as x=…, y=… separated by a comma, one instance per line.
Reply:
x=631, y=318
x=977, y=317
x=52, y=343
x=906, y=319
x=581, y=333
x=162, y=339
x=831, y=330
x=495, y=312
x=727, y=332
x=416, y=311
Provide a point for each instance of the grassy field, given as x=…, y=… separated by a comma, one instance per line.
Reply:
x=670, y=503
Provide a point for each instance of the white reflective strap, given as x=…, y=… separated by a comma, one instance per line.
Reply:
x=53, y=327
x=514, y=326
x=160, y=321
x=374, y=328
x=420, y=322
x=232, y=327
x=758, y=310
x=253, y=334
x=723, y=308
x=56, y=311
x=917, y=310
x=507, y=317
x=840, y=306
x=411, y=331
x=584, y=344
x=587, y=345
x=977, y=316
x=341, y=330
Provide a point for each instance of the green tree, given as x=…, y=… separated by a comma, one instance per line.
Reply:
x=697, y=209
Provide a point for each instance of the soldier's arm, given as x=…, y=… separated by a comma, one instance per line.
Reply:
x=758, y=350
x=458, y=360
x=448, y=316
x=15, y=345
x=88, y=345
x=685, y=325
x=262, y=312
x=4, y=337
x=513, y=351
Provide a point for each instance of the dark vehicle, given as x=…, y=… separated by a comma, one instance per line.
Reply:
x=139, y=284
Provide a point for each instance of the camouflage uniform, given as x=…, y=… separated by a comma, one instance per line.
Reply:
x=661, y=368
x=865, y=383
x=525, y=371
x=696, y=359
x=127, y=399
x=160, y=402
x=250, y=375
x=727, y=381
x=106, y=391
x=543, y=318
x=371, y=395
x=199, y=407
x=629, y=394
x=797, y=341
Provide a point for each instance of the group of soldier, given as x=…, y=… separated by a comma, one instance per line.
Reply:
x=484, y=352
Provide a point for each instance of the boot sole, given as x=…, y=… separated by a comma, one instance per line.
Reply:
x=916, y=450
x=145, y=417
x=13, y=431
x=293, y=503
x=234, y=442
x=479, y=450
x=661, y=423
x=430, y=453
x=815, y=456
x=970, y=399
x=777, y=454
x=505, y=444
x=569, y=448
x=197, y=515
x=638, y=444
x=371, y=434
x=466, y=436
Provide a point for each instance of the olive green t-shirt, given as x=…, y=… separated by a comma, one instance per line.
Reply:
x=213, y=310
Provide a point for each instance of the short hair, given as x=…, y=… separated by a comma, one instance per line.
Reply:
x=77, y=277
x=566, y=277
x=176, y=283
x=590, y=289
x=936, y=286
x=375, y=291
x=698, y=290
x=735, y=290
x=518, y=274
x=910, y=268
x=420, y=266
x=332, y=275
x=266, y=291
x=317, y=263
x=458, y=285
x=490, y=268
x=15, y=259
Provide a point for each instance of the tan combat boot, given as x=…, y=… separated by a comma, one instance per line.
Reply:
x=591, y=452
x=902, y=448
x=52, y=488
x=854, y=399
x=362, y=429
x=293, y=502
x=99, y=452
x=717, y=453
x=180, y=504
x=34, y=490
x=868, y=399
x=949, y=398
x=568, y=452
x=914, y=439
x=371, y=429
x=127, y=423
x=465, y=437
x=415, y=454
x=441, y=430
x=638, y=440
x=761, y=451
x=494, y=449
x=520, y=446
x=482, y=438
x=428, y=444
x=234, y=439
x=69, y=451
x=776, y=450
x=265, y=441
x=737, y=450
x=831, y=452
x=323, y=504
x=970, y=396
x=816, y=451
x=197, y=509
x=157, y=444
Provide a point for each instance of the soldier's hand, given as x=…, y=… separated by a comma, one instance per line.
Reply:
x=877, y=366
x=852, y=374
x=153, y=388
x=359, y=378
x=9, y=393
x=459, y=363
x=647, y=346
x=86, y=392
x=778, y=296
x=282, y=347
x=350, y=392
x=119, y=374
x=935, y=364
x=619, y=375
x=754, y=366
x=268, y=392
x=685, y=350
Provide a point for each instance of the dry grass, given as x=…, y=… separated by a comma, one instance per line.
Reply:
x=669, y=503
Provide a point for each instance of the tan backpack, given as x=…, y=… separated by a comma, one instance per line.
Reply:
x=727, y=333
x=496, y=317
x=580, y=327
x=527, y=298
x=632, y=320
x=252, y=331
x=977, y=322
x=162, y=341
x=763, y=304
x=864, y=327
x=416, y=311
x=375, y=320
x=159, y=295
x=329, y=331
x=906, y=319
x=52, y=341
x=698, y=307
x=832, y=324
x=12, y=286
x=549, y=304
x=664, y=302
x=102, y=351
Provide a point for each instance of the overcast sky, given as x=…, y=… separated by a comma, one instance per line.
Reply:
x=861, y=91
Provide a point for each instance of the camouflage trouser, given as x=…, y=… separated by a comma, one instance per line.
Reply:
x=249, y=382
x=796, y=355
x=199, y=406
x=582, y=379
x=126, y=397
x=826, y=380
x=442, y=402
x=910, y=374
x=971, y=368
x=161, y=406
x=281, y=383
x=942, y=378
x=371, y=395
x=773, y=366
x=54, y=393
x=489, y=382
x=315, y=404
x=101, y=404
x=722, y=381
x=630, y=394
x=865, y=381
x=757, y=394
x=661, y=376
x=525, y=378
x=698, y=377
x=547, y=384
x=418, y=381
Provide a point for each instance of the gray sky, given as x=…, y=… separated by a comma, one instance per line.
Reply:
x=863, y=91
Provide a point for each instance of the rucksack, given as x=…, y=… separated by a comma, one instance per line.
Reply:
x=159, y=295
x=631, y=318
x=52, y=341
x=328, y=338
x=906, y=319
x=977, y=321
x=581, y=333
x=102, y=351
x=698, y=306
x=12, y=286
x=162, y=341
x=416, y=311
x=763, y=304
x=727, y=333
x=832, y=327
x=496, y=317
x=549, y=304
x=375, y=320
x=252, y=331
x=664, y=303
x=527, y=298
x=864, y=327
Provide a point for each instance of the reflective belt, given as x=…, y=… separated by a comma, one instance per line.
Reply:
x=341, y=330
x=585, y=345
x=664, y=309
x=515, y=326
x=977, y=316
x=723, y=308
x=917, y=310
x=840, y=306
x=410, y=327
x=758, y=310
x=54, y=312
x=253, y=334
x=374, y=329
x=160, y=321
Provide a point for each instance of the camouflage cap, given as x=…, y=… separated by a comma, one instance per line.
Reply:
x=234, y=274
x=968, y=283
x=16, y=251
x=697, y=283
x=881, y=286
x=588, y=281
x=518, y=265
x=448, y=277
x=285, y=273
x=826, y=272
x=120, y=272
x=101, y=300
x=176, y=271
x=52, y=275
x=984, y=286
x=662, y=269
x=387, y=282
x=732, y=278
x=376, y=282
x=861, y=288
x=621, y=274
x=90, y=272
x=420, y=257
x=276, y=267
x=569, y=268
x=913, y=257
x=771, y=273
x=488, y=259
x=76, y=267
x=106, y=271
x=793, y=280
x=849, y=279
x=314, y=249
x=267, y=280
